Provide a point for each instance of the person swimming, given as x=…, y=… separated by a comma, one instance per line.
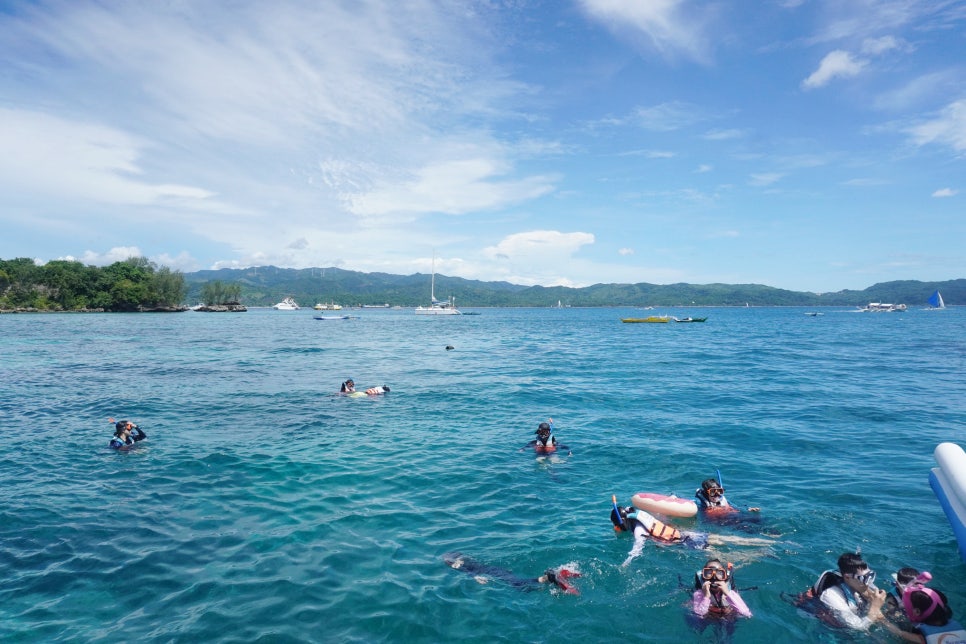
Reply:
x=545, y=440
x=123, y=439
x=645, y=526
x=715, y=594
x=483, y=573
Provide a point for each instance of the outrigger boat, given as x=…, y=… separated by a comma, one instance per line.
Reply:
x=657, y=319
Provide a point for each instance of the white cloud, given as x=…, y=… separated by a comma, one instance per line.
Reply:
x=539, y=245
x=117, y=254
x=723, y=135
x=625, y=251
x=765, y=178
x=671, y=27
x=879, y=46
x=665, y=117
x=836, y=64
x=453, y=187
x=947, y=128
x=704, y=167
x=945, y=192
x=49, y=155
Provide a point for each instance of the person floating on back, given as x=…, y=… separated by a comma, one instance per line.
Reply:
x=123, y=438
x=645, y=526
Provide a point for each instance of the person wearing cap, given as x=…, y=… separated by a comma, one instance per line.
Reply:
x=349, y=386
x=122, y=435
x=854, y=601
x=930, y=614
x=545, y=440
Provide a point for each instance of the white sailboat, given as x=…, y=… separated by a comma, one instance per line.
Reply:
x=437, y=307
x=936, y=301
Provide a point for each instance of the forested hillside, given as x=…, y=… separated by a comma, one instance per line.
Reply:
x=137, y=284
x=132, y=285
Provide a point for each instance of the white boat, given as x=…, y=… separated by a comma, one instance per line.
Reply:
x=288, y=304
x=879, y=307
x=948, y=482
x=331, y=306
x=437, y=307
x=936, y=301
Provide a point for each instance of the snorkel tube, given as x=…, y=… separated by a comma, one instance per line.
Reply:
x=619, y=525
x=717, y=473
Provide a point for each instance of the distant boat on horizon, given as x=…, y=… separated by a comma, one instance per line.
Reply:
x=437, y=307
x=936, y=301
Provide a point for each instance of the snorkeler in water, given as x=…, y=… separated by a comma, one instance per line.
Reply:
x=559, y=578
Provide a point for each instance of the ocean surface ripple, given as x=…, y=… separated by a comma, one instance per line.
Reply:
x=265, y=507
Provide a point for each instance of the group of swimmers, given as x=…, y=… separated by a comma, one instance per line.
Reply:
x=846, y=597
x=842, y=598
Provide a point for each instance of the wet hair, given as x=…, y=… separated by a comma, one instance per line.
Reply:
x=906, y=576
x=922, y=600
x=618, y=516
x=707, y=484
x=543, y=428
x=850, y=563
x=699, y=580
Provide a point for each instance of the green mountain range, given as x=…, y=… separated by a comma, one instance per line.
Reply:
x=267, y=285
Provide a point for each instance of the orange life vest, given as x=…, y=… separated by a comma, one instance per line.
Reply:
x=664, y=532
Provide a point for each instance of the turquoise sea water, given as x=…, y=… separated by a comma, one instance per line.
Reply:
x=264, y=508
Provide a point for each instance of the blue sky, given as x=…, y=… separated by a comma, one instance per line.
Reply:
x=804, y=144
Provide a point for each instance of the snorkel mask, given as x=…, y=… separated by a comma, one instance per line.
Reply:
x=918, y=584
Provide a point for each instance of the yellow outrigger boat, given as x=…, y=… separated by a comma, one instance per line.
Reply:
x=651, y=318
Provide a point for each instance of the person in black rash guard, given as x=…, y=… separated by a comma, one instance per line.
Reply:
x=483, y=573
x=545, y=440
x=123, y=439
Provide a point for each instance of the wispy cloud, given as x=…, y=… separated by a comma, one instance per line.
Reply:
x=947, y=128
x=673, y=28
x=945, y=192
x=765, y=178
x=723, y=135
x=666, y=117
x=836, y=64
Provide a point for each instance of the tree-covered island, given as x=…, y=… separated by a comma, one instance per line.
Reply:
x=134, y=284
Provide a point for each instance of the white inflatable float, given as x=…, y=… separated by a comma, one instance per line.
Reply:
x=948, y=481
x=671, y=506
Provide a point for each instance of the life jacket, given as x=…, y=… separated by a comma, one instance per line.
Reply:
x=949, y=633
x=705, y=502
x=718, y=607
x=810, y=600
x=664, y=532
